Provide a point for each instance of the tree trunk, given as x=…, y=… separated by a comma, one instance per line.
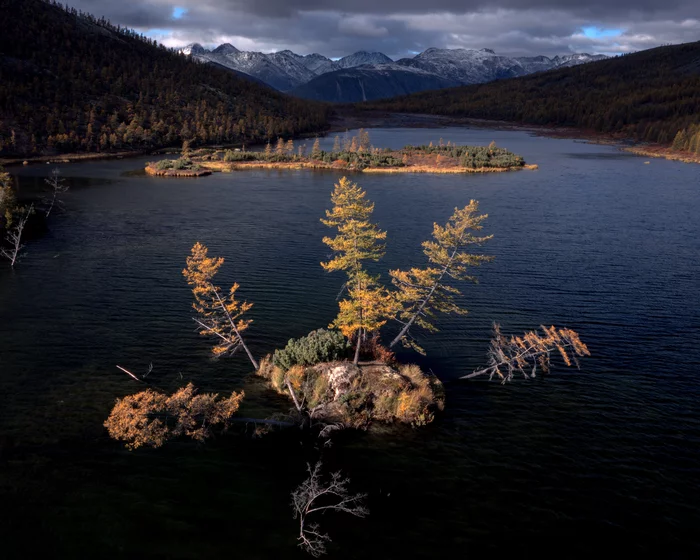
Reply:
x=357, y=348
x=425, y=301
x=235, y=329
x=247, y=351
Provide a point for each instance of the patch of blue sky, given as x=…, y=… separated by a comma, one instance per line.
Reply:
x=157, y=32
x=594, y=32
x=179, y=12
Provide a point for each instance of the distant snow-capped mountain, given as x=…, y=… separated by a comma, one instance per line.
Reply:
x=372, y=75
x=361, y=58
x=282, y=70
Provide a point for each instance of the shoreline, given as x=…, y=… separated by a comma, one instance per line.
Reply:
x=658, y=151
x=346, y=119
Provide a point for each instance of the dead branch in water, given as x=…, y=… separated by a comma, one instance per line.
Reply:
x=314, y=495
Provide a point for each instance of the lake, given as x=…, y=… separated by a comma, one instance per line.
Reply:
x=606, y=459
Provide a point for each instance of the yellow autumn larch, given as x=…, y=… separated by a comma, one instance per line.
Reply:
x=358, y=240
x=423, y=292
x=218, y=314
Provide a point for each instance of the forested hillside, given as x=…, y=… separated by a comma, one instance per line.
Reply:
x=650, y=95
x=70, y=82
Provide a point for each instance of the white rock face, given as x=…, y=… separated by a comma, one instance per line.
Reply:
x=340, y=378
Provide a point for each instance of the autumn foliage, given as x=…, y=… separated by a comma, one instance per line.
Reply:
x=150, y=418
x=424, y=292
x=525, y=354
x=368, y=304
x=219, y=315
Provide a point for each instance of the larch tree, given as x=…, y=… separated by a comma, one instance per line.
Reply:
x=358, y=240
x=279, y=149
x=364, y=140
x=218, y=314
x=366, y=309
x=316, y=149
x=424, y=292
x=524, y=354
x=336, y=143
x=151, y=418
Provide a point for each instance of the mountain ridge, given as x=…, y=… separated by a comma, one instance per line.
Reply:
x=651, y=96
x=315, y=76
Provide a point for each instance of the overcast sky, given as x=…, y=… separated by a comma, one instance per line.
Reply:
x=405, y=27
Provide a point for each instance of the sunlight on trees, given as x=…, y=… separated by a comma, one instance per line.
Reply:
x=424, y=292
x=520, y=354
x=150, y=418
x=358, y=240
x=219, y=315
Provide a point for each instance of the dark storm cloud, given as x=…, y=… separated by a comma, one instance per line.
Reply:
x=400, y=27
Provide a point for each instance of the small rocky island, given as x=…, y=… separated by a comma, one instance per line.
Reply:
x=316, y=372
x=356, y=155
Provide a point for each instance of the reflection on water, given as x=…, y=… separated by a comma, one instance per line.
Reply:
x=574, y=463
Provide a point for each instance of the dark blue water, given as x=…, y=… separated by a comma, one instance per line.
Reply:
x=575, y=463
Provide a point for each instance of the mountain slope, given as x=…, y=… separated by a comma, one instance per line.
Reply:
x=366, y=75
x=370, y=82
x=70, y=82
x=362, y=58
x=649, y=95
x=470, y=66
x=431, y=69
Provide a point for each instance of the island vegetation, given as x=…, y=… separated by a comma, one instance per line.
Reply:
x=355, y=153
x=181, y=167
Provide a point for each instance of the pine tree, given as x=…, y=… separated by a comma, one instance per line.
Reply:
x=423, y=292
x=219, y=315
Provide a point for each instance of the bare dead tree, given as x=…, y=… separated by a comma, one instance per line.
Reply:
x=57, y=185
x=315, y=495
x=522, y=354
x=14, y=237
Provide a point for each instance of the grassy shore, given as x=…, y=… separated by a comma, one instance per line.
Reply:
x=150, y=170
x=657, y=151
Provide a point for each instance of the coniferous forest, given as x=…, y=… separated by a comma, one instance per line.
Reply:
x=649, y=96
x=71, y=82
